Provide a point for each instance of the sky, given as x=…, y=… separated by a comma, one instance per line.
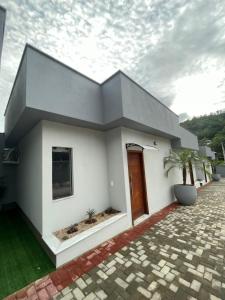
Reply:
x=175, y=49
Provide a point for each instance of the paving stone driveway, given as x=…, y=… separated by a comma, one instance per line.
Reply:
x=181, y=257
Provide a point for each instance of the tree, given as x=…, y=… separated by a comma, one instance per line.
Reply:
x=209, y=127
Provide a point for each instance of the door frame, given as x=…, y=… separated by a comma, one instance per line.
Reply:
x=146, y=208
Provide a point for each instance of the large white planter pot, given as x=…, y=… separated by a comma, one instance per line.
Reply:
x=185, y=194
x=216, y=177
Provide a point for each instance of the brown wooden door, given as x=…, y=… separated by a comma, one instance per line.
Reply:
x=137, y=184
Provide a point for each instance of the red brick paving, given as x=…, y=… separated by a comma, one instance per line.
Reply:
x=50, y=285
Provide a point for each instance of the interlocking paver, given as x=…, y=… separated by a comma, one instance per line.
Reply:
x=180, y=257
x=78, y=294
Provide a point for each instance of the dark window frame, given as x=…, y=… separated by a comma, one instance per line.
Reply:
x=71, y=186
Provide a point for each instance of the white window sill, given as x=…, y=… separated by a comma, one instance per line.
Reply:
x=62, y=199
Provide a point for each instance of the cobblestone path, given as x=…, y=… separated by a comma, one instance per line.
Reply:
x=181, y=257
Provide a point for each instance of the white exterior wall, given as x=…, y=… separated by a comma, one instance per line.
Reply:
x=117, y=174
x=159, y=186
x=100, y=180
x=29, y=176
x=90, y=179
x=209, y=171
x=199, y=174
x=100, y=174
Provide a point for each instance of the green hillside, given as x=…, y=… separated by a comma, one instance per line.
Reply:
x=210, y=130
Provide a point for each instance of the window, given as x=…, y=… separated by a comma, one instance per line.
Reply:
x=61, y=172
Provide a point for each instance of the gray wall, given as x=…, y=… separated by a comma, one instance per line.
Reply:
x=207, y=151
x=17, y=102
x=2, y=27
x=55, y=88
x=112, y=99
x=46, y=89
x=186, y=140
x=141, y=107
x=221, y=170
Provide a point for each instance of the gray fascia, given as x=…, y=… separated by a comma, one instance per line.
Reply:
x=207, y=151
x=186, y=140
x=106, y=104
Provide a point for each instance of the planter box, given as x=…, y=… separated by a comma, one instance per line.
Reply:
x=65, y=251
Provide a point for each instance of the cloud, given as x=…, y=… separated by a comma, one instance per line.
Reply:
x=191, y=47
x=169, y=47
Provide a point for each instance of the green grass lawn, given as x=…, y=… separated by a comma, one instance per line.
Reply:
x=22, y=259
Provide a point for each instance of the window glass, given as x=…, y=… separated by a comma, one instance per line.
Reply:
x=61, y=172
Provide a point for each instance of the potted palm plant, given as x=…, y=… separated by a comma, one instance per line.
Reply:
x=185, y=193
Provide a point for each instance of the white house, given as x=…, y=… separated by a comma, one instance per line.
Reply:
x=85, y=145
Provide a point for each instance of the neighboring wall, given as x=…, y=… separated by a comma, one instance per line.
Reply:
x=10, y=175
x=207, y=151
x=200, y=174
x=221, y=170
x=29, y=176
x=90, y=177
x=187, y=140
x=8, y=172
x=2, y=28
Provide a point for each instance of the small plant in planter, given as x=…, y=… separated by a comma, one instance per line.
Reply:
x=185, y=193
x=72, y=229
x=91, y=219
